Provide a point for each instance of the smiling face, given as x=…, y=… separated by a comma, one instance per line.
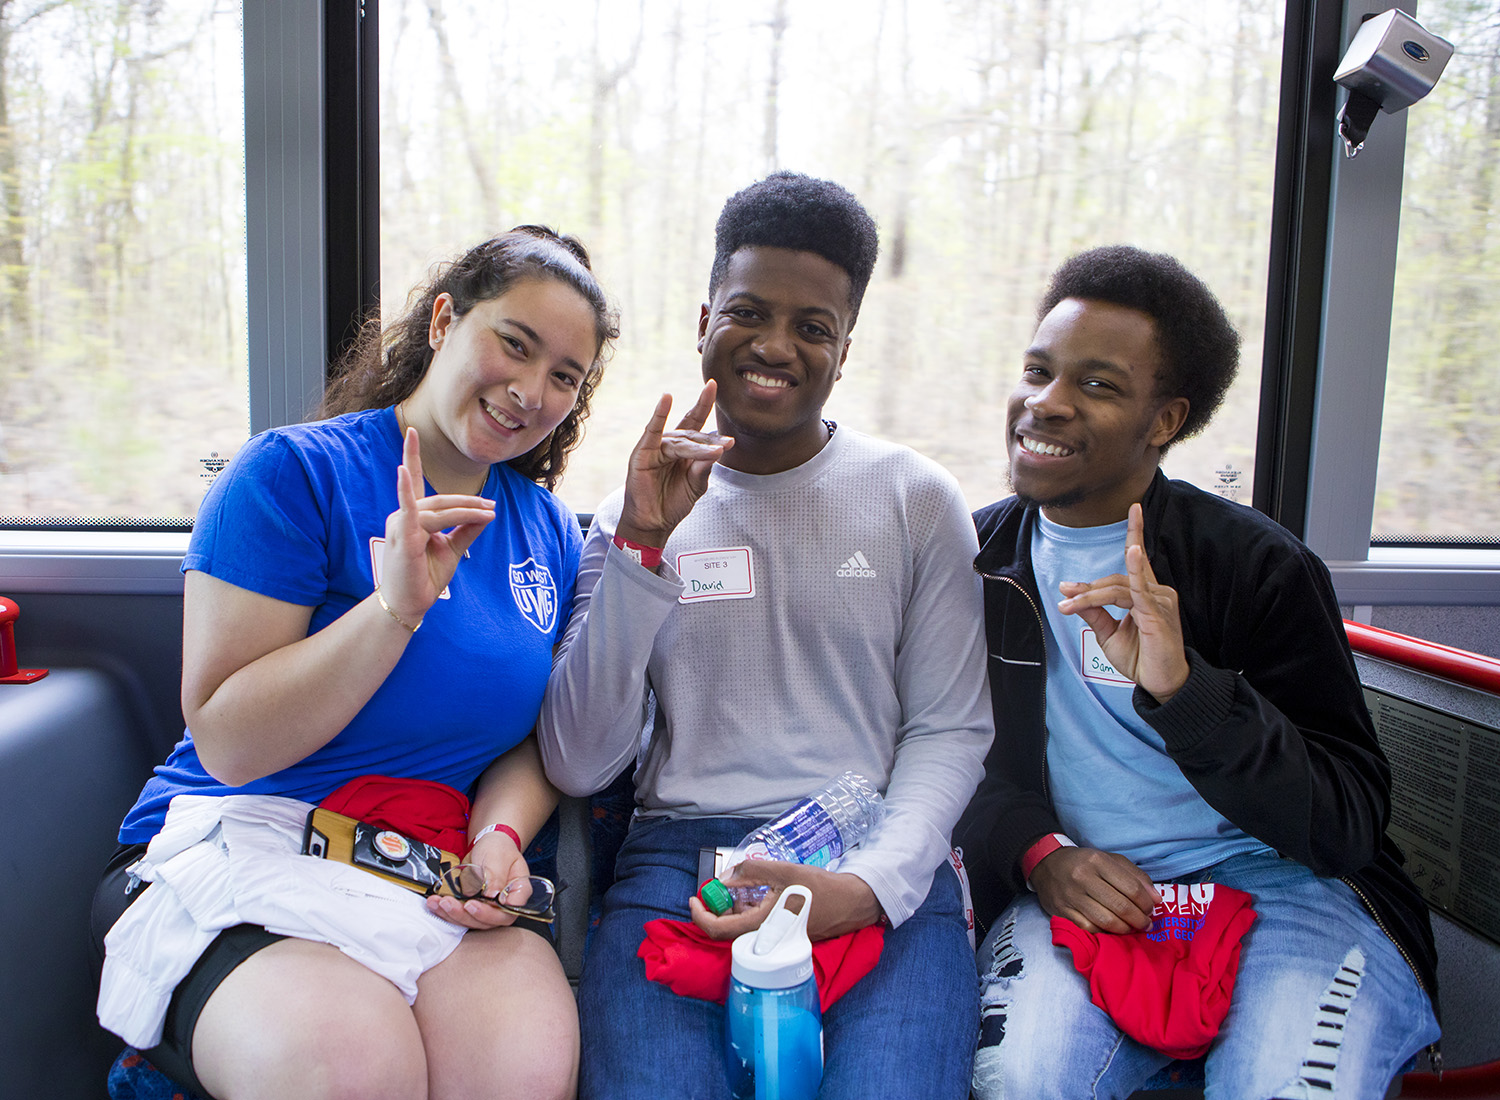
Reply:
x=502, y=377
x=1086, y=423
x=774, y=338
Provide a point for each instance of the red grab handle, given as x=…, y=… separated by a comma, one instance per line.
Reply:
x=9, y=672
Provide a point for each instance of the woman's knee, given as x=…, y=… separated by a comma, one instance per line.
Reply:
x=354, y=1056
x=502, y=1011
x=302, y=1019
x=532, y=1045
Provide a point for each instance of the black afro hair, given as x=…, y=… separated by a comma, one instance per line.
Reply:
x=1200, y=348
x=790, y=210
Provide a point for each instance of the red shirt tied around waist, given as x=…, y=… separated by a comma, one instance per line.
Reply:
x=1168, y=987
x=431, y=812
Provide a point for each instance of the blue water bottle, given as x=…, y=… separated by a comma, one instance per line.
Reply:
x=773, y=1025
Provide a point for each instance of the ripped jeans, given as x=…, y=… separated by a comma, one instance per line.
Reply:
x=1324, y=1005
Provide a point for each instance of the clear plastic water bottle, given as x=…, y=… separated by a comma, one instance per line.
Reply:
x=720, y=898
x=816, y=831
x=773, y=1025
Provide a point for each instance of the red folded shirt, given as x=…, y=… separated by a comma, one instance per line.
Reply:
x=681, y=957
x=1168, y=987
x=432, y=812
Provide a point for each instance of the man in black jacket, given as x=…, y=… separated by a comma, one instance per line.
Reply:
x=1192, y=715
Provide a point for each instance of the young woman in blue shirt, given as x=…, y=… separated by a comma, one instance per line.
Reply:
x=378, y=593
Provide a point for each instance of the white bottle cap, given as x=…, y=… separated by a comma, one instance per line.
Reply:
x=778, y=954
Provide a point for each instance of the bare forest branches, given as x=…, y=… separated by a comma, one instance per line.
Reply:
x=991, y=138
x=121, y=168
x=1439, y=469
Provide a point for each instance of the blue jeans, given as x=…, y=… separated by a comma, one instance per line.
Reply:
x=1322, y=995
x=906, y=1029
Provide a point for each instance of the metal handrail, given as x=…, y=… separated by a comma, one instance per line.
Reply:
x=1472, y=669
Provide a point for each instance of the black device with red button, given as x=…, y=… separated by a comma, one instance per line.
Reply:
x=388, y=853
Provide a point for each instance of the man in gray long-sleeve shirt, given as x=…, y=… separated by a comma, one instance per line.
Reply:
x=780, y=608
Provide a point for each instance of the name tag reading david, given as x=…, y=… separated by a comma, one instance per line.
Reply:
x=1096, y=666
x=716, y=575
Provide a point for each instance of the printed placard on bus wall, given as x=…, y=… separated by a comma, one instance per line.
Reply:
x=1445, y=806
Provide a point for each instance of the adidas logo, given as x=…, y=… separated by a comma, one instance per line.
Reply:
x=856, y=566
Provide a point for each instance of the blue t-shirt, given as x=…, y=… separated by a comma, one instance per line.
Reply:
x=299, y=515
x=1113, y=785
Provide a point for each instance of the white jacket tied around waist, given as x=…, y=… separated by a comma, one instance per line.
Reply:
x=236, y=859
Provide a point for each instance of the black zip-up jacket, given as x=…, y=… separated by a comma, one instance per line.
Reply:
x=1271, y=727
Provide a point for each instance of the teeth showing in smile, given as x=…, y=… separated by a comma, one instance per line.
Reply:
x=763, y=380
x=1051, y=450
x=500, y=418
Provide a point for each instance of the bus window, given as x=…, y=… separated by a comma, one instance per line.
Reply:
x=990, y=141
x=122, y=261
x=1439, y=472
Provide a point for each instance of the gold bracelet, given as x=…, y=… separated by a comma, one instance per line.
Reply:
x=379, y=596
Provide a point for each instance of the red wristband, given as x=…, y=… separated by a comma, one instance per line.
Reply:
x=648, y=556
x=1041, y=850
x=496, y=828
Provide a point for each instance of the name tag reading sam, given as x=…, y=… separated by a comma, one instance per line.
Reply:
x=1096, y=666
x=716, y=575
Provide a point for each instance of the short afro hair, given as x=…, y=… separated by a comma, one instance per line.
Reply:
x=1200, y=348
x=790, y=210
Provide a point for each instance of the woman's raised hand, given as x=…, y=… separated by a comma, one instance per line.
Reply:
x=669, y=470
x=425, y=537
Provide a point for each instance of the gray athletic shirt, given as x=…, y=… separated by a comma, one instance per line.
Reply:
x=805, y=623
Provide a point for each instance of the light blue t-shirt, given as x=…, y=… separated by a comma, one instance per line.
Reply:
x=299, y=515
x=1113, y=785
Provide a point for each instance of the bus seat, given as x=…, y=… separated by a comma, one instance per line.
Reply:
x=75, y=748
x=73, y=756
x=133, y=1077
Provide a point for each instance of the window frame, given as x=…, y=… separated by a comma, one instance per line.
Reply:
x=312, y=193
x=310, y=97
x=1364, y=222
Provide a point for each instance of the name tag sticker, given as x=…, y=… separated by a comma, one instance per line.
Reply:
x=716, y=575
x=1096, y=666
x=377, y=561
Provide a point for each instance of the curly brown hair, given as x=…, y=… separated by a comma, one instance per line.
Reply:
x=384, y=368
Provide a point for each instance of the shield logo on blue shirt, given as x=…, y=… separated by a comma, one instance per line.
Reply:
x=535, y=594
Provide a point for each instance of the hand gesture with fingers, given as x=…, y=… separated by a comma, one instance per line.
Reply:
x=1146, y=645
x=669, y=470
x=425, y=537
x=1098, y=891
